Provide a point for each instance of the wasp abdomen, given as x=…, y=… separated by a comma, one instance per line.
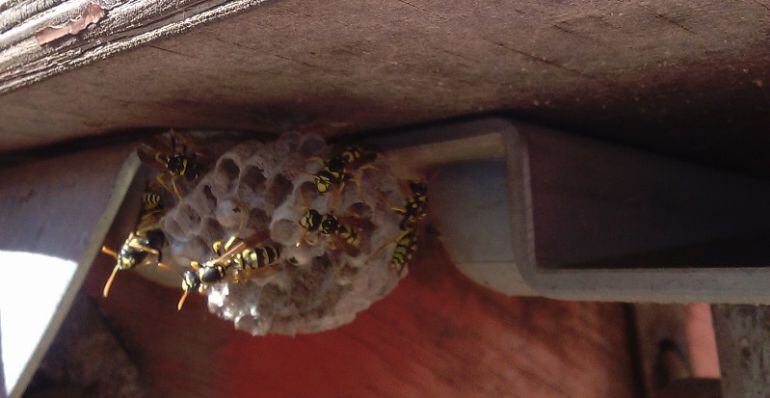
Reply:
x=404, y=251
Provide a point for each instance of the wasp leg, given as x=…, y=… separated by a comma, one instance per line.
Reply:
x=241, y=224
x=309, y=241
x=159, y=158
x=147, y=223
x=384, y=245
x=315, y=159
x=108, y=284
x=242, y=275
x=305, y=237
x=230, y=242
x=184, y=293
x=168, y=268
x=142, y=247
x=305, y=206
x=217, y=247
x=149, y=220
x=180, y=304
x=111, y=279
x=264, y=272
x=106, y=250
x=159, y=180
x=175, y=187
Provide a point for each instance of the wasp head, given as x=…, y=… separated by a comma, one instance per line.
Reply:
x=351, y=153
x=130, y=255
x=323, y=181
x=329, y=224
x=336, y=165
x=190, y=281
x=177, y=164
x=419, y=189
x=193, y=170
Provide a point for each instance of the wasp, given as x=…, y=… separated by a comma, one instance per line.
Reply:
x=143, y=246
x=414, y=210
x=416, y=206
x=181, y=160
x=342, y=234
x=406, y=247
x=335, y=171
x=230, y=261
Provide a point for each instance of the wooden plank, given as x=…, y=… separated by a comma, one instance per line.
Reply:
x=677, y=349
x=437, y=334
x=743, y=338
x=10, y=15
x=2, y=367
x=28, y=54
x=623, y=71
x=55, y=212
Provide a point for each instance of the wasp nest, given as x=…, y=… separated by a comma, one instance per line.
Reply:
x=322, y=282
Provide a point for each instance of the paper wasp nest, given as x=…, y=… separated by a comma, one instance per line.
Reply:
x=319, y=287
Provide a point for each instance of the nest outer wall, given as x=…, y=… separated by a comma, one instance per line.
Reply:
x=270, y=186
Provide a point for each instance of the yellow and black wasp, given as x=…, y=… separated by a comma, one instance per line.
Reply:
x=231, y=261
x=181, y=160
x=414, y=210
x=406, y=247
x=342, y=233
x=336, y=170
x=144, y=245
x=416, y=207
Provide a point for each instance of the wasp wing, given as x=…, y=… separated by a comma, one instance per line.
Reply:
x=240, y=246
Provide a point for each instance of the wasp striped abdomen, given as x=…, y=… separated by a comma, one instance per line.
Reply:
x=406, y=247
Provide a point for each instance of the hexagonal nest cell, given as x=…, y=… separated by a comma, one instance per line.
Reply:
x=322, y=282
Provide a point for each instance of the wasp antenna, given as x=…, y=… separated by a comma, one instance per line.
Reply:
x=106, y=250
x=181, y=301
x=107, y=285
x=169, y=269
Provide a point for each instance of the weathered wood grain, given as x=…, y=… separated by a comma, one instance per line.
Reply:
x=11, y=15
x=744, y=353
x=685, y=78
x=438, y=334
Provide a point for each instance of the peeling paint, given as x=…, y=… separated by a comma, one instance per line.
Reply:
x=92, y=14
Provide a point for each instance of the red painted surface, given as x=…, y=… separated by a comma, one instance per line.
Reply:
x=438, y=334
